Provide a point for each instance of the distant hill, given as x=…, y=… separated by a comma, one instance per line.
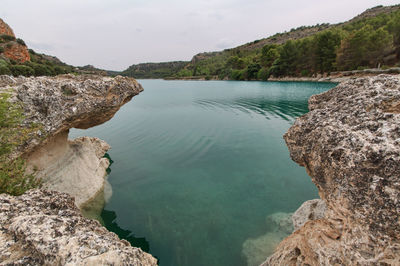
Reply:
x=369, y=40
x=154, y=70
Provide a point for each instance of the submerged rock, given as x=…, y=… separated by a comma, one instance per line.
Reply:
x=256, y=250
x=46, y=228
x=349, y=144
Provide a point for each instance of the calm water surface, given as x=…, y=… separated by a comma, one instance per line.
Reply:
x=199, y=165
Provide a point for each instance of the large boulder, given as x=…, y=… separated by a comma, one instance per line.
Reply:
x=349, y=144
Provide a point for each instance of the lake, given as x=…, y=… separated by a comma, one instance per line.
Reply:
x=198, y=166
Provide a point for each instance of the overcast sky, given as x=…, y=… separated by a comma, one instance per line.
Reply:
x=114, y=34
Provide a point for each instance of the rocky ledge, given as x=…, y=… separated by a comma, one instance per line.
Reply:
x=56, y=104
x=46, y=228
x=349, y=144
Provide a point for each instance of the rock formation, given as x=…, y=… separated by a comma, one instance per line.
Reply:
x=16, y=51
x=12, y=49
x=57, y=104
x=349, y=144
x=5, y=29
x=45, y=228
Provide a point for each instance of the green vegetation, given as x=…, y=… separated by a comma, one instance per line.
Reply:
x=13, y=179
x=40, y=65
x=154, y=70
x=371, y=40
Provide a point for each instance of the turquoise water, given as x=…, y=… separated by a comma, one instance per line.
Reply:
x=199, y=165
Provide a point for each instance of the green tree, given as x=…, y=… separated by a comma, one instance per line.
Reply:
x=327, y=43
x=269, y=54
x=285, y=64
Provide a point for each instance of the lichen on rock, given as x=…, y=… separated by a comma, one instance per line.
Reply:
x=46, y=228
x=349, y=144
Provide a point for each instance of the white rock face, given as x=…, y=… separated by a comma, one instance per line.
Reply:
x=73, y=166
x=46, y=228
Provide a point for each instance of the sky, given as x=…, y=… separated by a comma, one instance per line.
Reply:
x=114, y=34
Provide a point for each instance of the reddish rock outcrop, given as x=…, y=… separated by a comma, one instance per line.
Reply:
x=12, y=49
x=349, y=144
x=17, y=52
x=5, y=29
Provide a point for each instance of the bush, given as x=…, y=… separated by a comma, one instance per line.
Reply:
x=22, y=70
x=7, y=37
x=1, y=50
x=13, y=179
x=5, y=70
x=263, y=74
x=20, y=41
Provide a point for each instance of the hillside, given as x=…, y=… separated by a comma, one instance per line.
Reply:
x=16, y=59
x=154, y=70
x=369, y=40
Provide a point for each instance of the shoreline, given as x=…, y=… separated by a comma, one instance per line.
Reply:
x=337, y=77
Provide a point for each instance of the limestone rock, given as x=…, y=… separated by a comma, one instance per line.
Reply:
x=45, y=228
x=58, y=104
x=73, y=166
x=309, y=210
x=349, y=144
x=67, y=101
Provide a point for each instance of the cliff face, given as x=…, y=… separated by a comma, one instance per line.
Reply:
x=12, y=49
x=17, y=52
x=349, y=144
x=45, y=228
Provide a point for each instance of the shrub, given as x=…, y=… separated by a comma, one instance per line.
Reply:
x=20, y=41
x=263, y=74
x=22, y=70
x=13, y=179
x=4, y=70
x=7, y=37
x=1, y=50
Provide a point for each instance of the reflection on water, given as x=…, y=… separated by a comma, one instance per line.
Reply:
x=287, y=110
x=199, y=165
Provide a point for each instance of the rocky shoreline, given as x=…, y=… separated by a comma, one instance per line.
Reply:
x=46, y=226
x=349, y=143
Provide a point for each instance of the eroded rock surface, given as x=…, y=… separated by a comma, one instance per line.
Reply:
x=56, y=104
x=67, y=101
x=5, y=29
x=349, y=144
x=45, y=228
